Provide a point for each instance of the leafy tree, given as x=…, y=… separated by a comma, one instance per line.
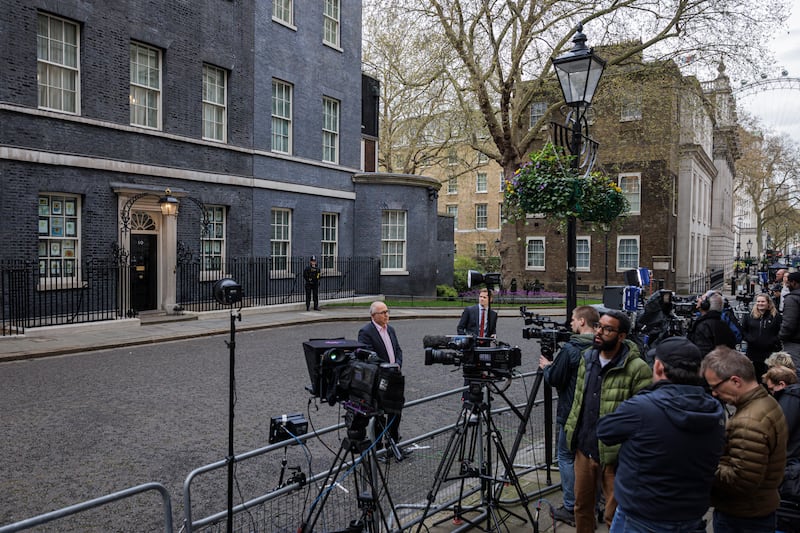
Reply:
x=488, y=51
x=461, y=265
x=768, y=181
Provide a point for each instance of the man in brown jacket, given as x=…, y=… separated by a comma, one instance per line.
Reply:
x=745, y=493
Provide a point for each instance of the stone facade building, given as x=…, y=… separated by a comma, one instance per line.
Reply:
x=670, y=144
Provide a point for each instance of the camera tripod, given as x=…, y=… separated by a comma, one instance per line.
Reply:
x=475, y=433
x=368, y=480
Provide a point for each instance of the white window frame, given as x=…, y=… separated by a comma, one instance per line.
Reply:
x=281, y=241
x=481, y=216
x=59, y=240
x=330, y=129
x=331, y=14
x=282, y=96
x=212, y=243
x=215, y=103
x=481, y=250
x=481, y=182
x=452, y=185
x=630, y=107
x=537, y=111
x=620, y=266
x=531, y=262
x=393, y=241
x=329, y=243
x=283, y=12
x=631, y=185
x=452, y=209
x=58, y=65
x=145, y=86
x=588, y=254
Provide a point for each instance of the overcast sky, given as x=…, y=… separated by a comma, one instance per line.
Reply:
x=780, y=109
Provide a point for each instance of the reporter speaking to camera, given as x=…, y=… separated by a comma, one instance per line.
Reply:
x=381, y=338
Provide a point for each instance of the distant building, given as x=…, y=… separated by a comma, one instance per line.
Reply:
x=671, y=145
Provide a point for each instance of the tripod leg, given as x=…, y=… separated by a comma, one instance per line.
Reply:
x=456, y=441
x=494, y=521
x=327, y=485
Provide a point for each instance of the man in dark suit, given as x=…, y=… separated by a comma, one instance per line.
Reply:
x=479, y=319
x=381, y=338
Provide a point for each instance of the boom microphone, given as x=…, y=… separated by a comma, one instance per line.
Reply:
x=434, y=341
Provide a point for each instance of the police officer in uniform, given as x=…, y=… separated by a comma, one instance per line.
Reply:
x=311, y=276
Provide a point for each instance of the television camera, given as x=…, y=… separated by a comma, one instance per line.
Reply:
x=548, y=331
x=744, y=299
x=476, y=361
x=348, y=373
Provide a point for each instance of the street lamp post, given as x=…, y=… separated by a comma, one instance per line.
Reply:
x=578, y=72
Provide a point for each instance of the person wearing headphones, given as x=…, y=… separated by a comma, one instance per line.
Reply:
x=709, y=330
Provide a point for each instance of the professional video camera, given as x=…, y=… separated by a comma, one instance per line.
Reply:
x=684, y=306
x=355, y=377
x=744, y=298
x=664, y=315
x=547, y=330
x=476, y=361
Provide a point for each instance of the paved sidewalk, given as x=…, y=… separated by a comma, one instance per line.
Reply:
x=153, y=328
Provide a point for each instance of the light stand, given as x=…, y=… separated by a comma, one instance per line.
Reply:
x=228, y=292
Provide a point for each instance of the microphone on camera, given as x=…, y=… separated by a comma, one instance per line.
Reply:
x=435, y=341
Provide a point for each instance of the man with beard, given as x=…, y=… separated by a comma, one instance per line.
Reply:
x=610, y=372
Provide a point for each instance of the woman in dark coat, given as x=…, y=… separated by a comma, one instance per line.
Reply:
x=760, y=329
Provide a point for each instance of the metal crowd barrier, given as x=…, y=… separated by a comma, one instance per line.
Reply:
x=266, y=507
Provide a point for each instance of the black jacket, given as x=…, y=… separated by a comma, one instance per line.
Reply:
x=563, y=373
x=761, y=335
x=709, y=331
x=790, y=326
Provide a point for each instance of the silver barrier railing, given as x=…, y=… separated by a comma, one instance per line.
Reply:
x=97, y=502
x=283, y=508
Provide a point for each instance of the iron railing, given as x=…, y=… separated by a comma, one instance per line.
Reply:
x=32, y=296
x=269, y=281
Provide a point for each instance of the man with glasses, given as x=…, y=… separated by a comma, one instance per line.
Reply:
x=672, y=435
x=610, y=372
x=381, y=338
x=745, y=492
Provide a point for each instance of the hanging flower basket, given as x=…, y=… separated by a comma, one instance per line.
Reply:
x=548, y=185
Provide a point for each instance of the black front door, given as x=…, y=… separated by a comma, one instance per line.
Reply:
x=143, y=272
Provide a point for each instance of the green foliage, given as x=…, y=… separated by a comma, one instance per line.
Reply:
x=549, y=185
x=462, y=264
x=446, y=291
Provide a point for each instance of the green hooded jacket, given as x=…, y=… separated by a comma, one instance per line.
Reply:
x=628, y=375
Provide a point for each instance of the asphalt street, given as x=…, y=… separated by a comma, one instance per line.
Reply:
x=79, y=426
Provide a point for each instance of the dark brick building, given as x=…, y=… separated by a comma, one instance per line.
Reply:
x=252, y=110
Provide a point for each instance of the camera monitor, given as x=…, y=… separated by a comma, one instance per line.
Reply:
x=313, y=350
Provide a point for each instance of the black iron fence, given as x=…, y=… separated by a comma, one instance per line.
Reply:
x=35, y=296
x=713, y=279
x=269, y=281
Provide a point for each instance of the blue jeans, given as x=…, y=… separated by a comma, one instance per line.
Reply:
x=624, y=523
x=725, y=523
x=566, y=469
